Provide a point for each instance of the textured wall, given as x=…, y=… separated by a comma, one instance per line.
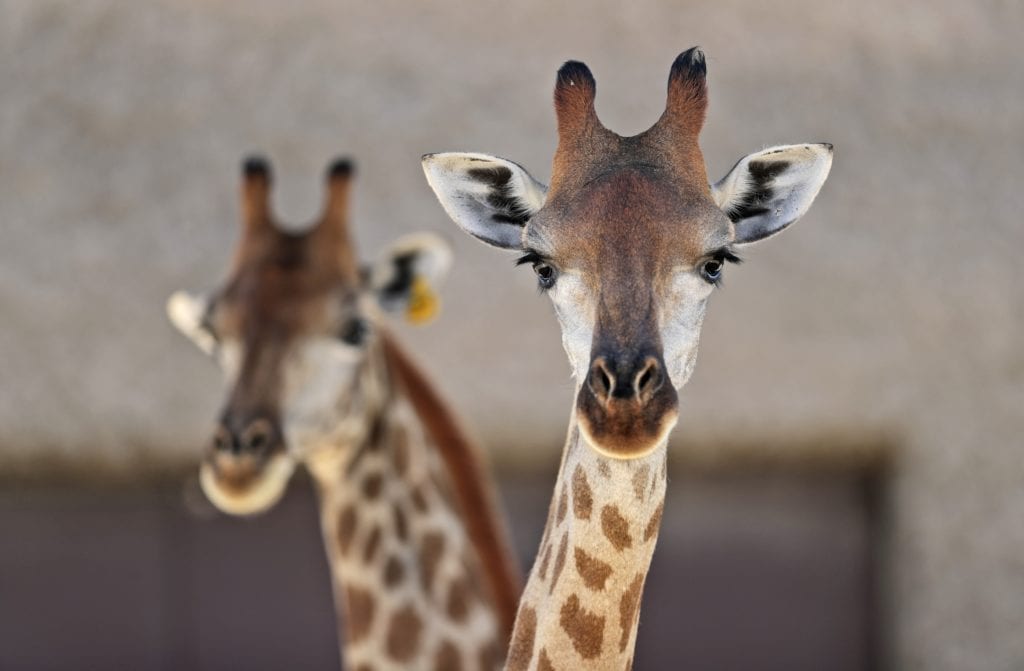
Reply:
x=895, y=307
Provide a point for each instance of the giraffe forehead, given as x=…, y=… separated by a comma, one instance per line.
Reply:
x=638, y=221
x=284, y=293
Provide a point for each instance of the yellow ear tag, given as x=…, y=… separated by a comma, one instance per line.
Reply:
x=423, y=302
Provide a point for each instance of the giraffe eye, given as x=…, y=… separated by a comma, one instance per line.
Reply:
x=545, y=275
x=711, y=271
x=354, y=332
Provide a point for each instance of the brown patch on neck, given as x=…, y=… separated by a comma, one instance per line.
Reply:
x=361, y=607
x=470, y=479
x=520, y=652
x=593, y=571
x=582, y=498
x=615, y=527
x=404, y=633
x=585, y=629
x=629, y=606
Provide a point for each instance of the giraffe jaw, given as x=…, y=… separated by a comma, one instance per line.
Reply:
x=250, y=495
x=624, y=446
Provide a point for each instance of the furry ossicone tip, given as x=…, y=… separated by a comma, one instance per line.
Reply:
x=690, y=64
x=256, y=165
x=343, y=166
x=576, y=75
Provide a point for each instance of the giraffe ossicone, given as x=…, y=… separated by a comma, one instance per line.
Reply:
x=629, y=241
x=422, y=574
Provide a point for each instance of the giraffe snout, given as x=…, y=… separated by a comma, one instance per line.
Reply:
x=246, y=468
x=244, y=436
x=626, y=408
x=636, y=380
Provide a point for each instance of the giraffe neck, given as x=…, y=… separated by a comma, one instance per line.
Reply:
x=407, y=582
x=582, y=601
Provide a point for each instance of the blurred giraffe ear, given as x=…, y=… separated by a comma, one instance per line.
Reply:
x=408, y=274
x=188, y=314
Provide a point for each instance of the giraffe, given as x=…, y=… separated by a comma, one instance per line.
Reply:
x=419, y=558
x=628, y=241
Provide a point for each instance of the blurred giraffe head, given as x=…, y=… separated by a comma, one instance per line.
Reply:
x=295, y=330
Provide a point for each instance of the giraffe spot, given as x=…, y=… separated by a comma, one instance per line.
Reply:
x=545, y=560
x=559, y=561
x=360, y=607
x=419, y=499
x=403, y=636
x=401, y=523
x=372, y=543
x=448, y=658
x=628, y=609
x=394, y=571
x=490, y=656
x=585, y=629
x=472, y=564
x=443, y=487
x=640, y=481
x=593, y=571
x=654, y=523
x=543, y=663
x=582, y=498
x=400, y=451
x=431, y=549
x=346, y=528
x=372, y=485
x=549, y=523
x=603, y=468
x=563, y=505
x=364, y=667
x=521, y=649
x=615, y=527
x=458, y=600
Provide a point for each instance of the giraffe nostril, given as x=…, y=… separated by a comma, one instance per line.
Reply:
x=258, y=436
x=648, y=380
x=600, y=380
x=222, y=440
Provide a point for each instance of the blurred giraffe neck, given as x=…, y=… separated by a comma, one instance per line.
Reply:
x=409, y=583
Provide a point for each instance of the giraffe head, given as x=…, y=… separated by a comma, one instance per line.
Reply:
x=295, y=330
x=629, y=241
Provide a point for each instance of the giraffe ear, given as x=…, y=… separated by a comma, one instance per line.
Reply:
x=769, y=190
x=188, y=314
x=408, y=274
x=488, y=197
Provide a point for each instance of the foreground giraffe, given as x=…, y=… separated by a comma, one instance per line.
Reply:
x=628, y=241
x=418, y=557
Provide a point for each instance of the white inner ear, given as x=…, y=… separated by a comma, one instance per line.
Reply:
x=186, y=312
x=490, y=198
x=769, y=190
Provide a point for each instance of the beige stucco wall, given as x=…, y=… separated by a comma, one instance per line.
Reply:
x=895, y=308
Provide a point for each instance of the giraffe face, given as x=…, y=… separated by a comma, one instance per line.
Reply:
x=295, y=330
x=629, y=242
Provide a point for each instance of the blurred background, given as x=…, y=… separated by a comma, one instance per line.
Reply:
x=847, y=480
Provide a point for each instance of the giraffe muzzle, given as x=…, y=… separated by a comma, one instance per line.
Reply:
x=246, y=468
x=627, y=405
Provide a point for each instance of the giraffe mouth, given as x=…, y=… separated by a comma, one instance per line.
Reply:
x=627, y=429
x=241, y=486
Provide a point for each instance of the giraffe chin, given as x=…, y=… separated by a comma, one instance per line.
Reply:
x=620, y=440
x=249, y=495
